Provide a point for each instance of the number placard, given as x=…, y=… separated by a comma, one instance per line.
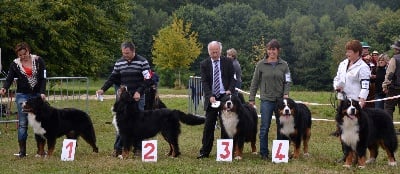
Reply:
x=68, y=150
x=224, y=149
x=149, y=151
x=280, y=151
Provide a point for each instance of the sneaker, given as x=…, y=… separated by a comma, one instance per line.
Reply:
x=116, y=153
x=265, y=157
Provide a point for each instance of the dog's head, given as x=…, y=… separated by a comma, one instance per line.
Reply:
x=124, y=100
x=349, y=108
x=33, y=105
x=230, y=103
x=286, y=107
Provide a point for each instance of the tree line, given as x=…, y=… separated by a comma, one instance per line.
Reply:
x=82, y=38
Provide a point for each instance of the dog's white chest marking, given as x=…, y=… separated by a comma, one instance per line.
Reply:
x=114, y=120
x=287, y=121
x=350, y=129
x=37, y=126
x=288, y=125
x=230, y=121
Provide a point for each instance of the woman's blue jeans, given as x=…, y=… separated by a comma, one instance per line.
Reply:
x=267, y=108
x=20, y=98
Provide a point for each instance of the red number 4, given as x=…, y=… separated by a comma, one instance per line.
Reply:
x=278, y=152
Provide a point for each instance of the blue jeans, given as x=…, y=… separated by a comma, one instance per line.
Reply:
x=22, y=117
x=117, y=143
x=267, y=108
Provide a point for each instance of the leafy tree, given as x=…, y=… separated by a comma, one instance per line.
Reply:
x=74, y=37
x=176, y=47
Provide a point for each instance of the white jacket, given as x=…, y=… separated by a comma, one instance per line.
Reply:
x=354, y=80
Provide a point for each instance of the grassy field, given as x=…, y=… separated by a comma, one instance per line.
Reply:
x=324, y=149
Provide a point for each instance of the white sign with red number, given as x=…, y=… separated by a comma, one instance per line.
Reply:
x=68, y=150
x=149, y=151
x=280, y=151
x=224, y=149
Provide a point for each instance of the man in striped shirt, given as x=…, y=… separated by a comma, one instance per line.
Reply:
x=133, y=71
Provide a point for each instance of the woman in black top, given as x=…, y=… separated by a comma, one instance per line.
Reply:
x=30, y=73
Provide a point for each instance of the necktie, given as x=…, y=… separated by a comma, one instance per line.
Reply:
x=216, y=79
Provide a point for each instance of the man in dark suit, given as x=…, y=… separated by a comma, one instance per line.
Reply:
x=217, y=78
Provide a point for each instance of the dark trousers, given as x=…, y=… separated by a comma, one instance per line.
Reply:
x=391, y=104
x=208, y=133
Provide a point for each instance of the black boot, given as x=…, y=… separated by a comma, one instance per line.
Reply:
x=22, y=149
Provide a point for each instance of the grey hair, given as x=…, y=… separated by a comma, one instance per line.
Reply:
x=215, y=42
x=129, y=45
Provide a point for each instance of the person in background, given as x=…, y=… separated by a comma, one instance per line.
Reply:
x=133, y=71
x=380, y=77
x=272, y=77
x=232, y=54
x=368, y=59
x=391, y=85
x=352, y=78
x=217, y=78
x=30, y=72
x=375, y=56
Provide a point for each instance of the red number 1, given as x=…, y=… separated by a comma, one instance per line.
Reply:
x=147, y=155
x=228, y=153
x=69, y=146
x=278, y=152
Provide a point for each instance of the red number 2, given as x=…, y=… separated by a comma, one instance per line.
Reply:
x=227, y=152
x=147, y=155
x=278, y=152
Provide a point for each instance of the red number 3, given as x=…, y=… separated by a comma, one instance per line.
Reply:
x=227, y=152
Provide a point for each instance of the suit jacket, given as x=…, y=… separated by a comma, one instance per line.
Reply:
x=227, y=76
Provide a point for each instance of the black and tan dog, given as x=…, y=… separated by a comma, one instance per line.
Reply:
x=295, y=124
x=365, y=128
x=49, y=123
x=240, y=123
x=135, y=125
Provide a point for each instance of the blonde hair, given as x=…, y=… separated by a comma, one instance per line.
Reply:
x=232, y=52
x=385, y=57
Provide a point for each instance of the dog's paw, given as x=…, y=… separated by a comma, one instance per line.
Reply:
x=361, y=167
x=346, y=166
x=370, y=161
x=306, y=154
x=394, y=163
x=254, y=153
x=238, y=158
x=120, y=157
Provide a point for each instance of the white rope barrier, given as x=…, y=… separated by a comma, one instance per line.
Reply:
x=383, y=99
x=306, y=103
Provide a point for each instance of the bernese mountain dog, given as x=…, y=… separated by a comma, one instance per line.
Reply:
x=240, y=123
x=295, y=124
x=50, y=123
x=135, y=125
x=365, y=128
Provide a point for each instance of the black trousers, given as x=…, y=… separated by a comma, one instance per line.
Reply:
x=212, y=114
x=391, y=104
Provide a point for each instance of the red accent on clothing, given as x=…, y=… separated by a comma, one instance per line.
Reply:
x=28, y=71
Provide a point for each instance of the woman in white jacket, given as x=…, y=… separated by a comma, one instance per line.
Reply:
x=352, y=78
x=353, y=74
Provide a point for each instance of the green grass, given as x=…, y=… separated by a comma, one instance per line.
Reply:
x=324, y=149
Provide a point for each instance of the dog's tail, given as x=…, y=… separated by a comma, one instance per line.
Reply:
x=190, y=119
